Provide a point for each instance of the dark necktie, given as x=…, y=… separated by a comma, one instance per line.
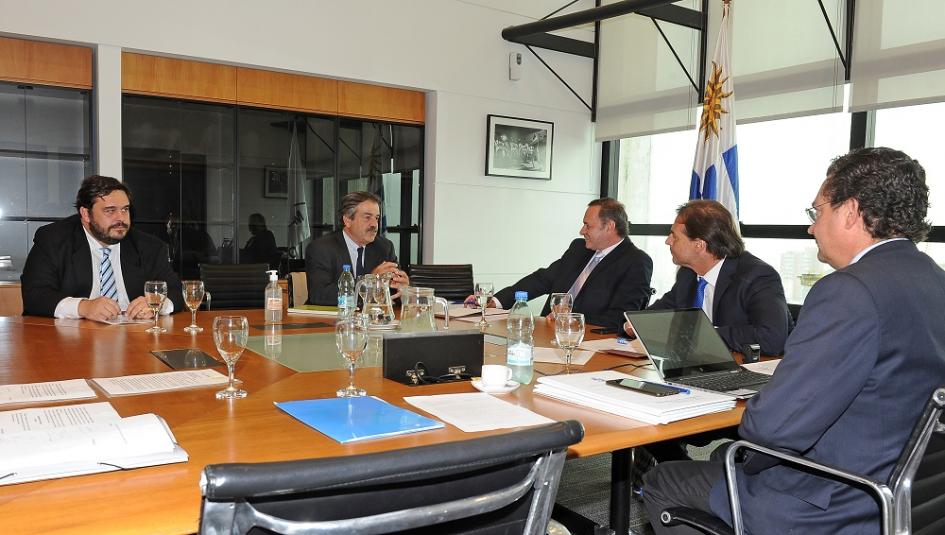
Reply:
x=359, y=268
x=700, y=293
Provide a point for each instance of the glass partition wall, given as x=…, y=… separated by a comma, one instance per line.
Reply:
x=209, y=179
x=45, y=151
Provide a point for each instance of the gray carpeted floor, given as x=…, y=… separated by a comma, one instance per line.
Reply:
x=585, y=487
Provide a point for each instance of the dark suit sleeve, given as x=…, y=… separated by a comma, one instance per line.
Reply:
x=828, y=360
x=675, y=297
x=632, y=292
x=41, y=281
x=321, y=274
x=537, y=283
x=768, y=316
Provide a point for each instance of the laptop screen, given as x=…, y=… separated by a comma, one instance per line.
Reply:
x=681, y=342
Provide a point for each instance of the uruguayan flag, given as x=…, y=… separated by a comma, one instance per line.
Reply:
x=715, y=170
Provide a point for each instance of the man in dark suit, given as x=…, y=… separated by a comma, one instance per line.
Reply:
x=742, y=295
x=357, y=244
x=866, y=354
x=261, y=246
x=604, y=272
x=93, y=264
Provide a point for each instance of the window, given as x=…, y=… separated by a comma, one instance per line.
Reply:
x=45, y=152
x=210, y=170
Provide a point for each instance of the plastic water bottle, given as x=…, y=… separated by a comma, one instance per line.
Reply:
x=273, y=298
x=347, y=297
x=519, y=352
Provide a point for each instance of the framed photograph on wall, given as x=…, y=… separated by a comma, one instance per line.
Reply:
x=276, y=182
x=518, y=147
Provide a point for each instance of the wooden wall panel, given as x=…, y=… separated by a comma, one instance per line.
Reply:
x=45, y=63
x=194, y=80
x=284, y=91
x=377, y=102
x=11, y=299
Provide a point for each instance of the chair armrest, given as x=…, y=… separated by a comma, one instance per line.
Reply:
x=882, y=491
x=687, y=516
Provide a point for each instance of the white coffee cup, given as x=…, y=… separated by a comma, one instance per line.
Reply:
x=495, y=375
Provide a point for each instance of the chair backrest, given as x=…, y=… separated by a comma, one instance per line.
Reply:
x=918, y=480
x=298, y=288
x=235, y=285
x=498, y=484
x=452, y=282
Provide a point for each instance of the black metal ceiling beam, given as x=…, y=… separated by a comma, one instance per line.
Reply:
x=659, y=9
x=559, y=44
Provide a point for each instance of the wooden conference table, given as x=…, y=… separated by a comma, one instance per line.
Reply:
x=166, y=499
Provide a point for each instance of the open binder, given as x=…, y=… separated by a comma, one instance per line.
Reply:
x=59, y=449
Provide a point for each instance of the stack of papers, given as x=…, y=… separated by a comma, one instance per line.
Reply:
x=51, y=391
x=315, y=310
x=591, y=390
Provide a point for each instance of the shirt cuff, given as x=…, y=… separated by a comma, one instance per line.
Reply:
x=167, y=308
x=68, y=308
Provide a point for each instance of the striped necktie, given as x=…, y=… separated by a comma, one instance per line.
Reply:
x=107, y=276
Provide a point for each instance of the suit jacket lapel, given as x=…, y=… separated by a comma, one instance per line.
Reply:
x=81, y=261
x=611, y=257
x=729, y=265
x=131, y=272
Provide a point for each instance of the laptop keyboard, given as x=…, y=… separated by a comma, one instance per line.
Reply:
x=724, y=382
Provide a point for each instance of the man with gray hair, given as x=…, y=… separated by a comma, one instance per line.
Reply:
x=357, y=244
x=603, y=271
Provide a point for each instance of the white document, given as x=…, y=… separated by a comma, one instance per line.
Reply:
x=617, y=346
x=590, y=389
x=460, y=311
x=555, y=355
x=23, y=420
x=159, y=382
x=51, y=391
x=312, y=312
x=474, y=412
x=68, y=450
x=122, y=319
x=492, y=315
x=766, y=367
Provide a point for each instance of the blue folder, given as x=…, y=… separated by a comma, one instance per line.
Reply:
x=352, y=419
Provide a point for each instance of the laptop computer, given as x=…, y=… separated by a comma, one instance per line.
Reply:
x=686, y=350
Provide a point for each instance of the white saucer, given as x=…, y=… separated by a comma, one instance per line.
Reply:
x=505, y=389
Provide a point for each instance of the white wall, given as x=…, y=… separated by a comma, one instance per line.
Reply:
x=450, y=48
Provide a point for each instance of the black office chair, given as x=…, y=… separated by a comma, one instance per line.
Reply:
x=498, y=484
x=235, y=285
x=453, y=282
x=912, y=500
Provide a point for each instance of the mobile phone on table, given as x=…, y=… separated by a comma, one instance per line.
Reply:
x=644, y=387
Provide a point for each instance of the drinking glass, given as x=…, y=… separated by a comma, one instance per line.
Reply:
x=193, y=296
x=155, y=292
x=483, y=295
x=229, y=335
x=561, y=303
x=351, y=336
x=569, y=332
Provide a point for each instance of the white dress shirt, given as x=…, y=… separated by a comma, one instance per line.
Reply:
x=711, y=277
x=68, y=308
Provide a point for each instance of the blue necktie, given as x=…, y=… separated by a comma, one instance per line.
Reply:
x=106, y=276
x=700, y=293
x=359, y=266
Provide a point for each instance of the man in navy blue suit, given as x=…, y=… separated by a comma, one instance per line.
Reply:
x=742, y=295
x=866, y=354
